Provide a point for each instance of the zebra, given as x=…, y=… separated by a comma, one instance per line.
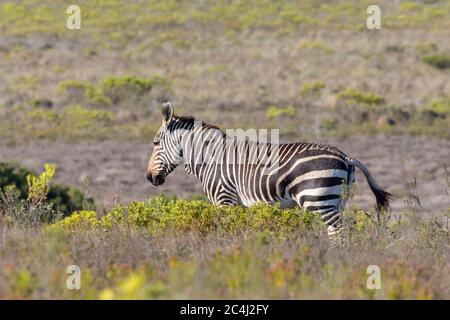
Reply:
x=311, y=175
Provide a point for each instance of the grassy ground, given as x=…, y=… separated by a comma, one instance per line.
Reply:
x=191, y=249
x=308, y=67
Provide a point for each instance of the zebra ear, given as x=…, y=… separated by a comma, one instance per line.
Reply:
x=167, y=112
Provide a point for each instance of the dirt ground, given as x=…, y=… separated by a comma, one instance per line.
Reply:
x=115, y=172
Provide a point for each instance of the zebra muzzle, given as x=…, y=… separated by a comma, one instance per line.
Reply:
x=156, y=180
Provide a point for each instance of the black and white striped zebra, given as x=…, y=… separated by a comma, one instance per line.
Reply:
x=243, y=172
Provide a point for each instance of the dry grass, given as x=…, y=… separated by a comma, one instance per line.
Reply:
x=178, y=249
x=128, y=262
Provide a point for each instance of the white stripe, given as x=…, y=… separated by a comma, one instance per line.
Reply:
x=332, y=202
x=327, y=215
x=332, y=173
x=320, y=191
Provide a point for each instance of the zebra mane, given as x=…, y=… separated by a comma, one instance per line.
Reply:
x=187, y=120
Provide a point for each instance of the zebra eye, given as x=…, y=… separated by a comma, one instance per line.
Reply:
x=156, y=142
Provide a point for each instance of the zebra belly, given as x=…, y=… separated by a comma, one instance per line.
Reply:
x=287, y=202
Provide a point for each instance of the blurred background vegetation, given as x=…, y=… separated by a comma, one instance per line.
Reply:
x=311, y=68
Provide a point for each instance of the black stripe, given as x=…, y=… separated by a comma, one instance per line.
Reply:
x=350, y=171
x=317, y=208
x=318, y=198
x=324, y=163
x=318, y=151
x=317, y=183
x=333, y=220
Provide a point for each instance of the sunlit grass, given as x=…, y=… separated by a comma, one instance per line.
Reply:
x=120, y=17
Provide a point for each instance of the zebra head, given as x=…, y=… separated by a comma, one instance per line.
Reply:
x=167, y=152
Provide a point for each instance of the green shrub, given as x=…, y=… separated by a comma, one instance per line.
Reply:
x=358, y=97
x=13, y=174
x=440, y=107
x=64, y=199
x=33, y=210
x=24, y=283
x=275, y=112
x=312, y=87
x=115, y=216
x=80, y=117
x=39, y=186
x=119, y=88
x=77, y=222
x=45, y=115
x=82, y=91
x=110, y=90
x=410, y=6
x=73, y=122
x=160, y=215
x=439, y=60
x=41, y=103
x=138, y=85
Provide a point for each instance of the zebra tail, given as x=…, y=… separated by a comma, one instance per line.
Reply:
x=381, y=195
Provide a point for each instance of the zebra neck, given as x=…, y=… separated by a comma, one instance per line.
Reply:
x=199, y=148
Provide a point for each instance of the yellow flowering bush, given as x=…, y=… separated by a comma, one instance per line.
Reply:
x=78, y=221
x=38, y=187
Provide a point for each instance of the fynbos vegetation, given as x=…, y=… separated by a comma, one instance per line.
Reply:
x=87, y=101
x=167, y=248
x=25, y=197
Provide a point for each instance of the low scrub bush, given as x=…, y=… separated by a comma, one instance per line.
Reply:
x=80, y=117
x=34, y=209
x=45, y=115
x=160, y=215
x=275, y=112
x=438, y=60
x=82, y=91
x=439, y=107
x=312, y=87
x=73, y=122
x=111, y=90
x=80, y=221
x=26, y=185
x=353, y=96
x=118, y=88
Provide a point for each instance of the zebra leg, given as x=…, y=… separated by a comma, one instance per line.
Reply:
x=332, y=218
x=330, y=213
